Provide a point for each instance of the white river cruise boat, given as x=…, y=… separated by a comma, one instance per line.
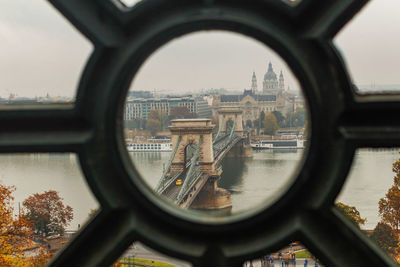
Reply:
x=150, y=145
x=278, y=144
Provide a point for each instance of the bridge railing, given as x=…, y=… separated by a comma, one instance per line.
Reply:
x=197, y=174
x=171, y=179
x=193, y=191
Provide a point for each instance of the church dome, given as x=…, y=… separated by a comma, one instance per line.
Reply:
x=270, y=75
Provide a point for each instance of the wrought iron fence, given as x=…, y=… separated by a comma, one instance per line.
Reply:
x=342, y=121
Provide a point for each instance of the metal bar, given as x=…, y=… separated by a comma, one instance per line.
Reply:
x=92, y=20
x=48, y=128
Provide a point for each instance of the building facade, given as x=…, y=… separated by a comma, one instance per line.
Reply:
x=273, y=97
x=139, y=108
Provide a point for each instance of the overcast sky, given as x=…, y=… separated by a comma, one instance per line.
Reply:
x=42, y=53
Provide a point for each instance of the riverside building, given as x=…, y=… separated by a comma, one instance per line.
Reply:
x=139, y=108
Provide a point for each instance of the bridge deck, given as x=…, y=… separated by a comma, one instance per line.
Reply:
x=170, y=190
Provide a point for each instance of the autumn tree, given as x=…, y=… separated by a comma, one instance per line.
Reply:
x=92, y=212
x=270, y=124
x=47, y=212
x=157, y=121
x=153, y=126
x=154, y=114
x=352, y=213
x=180, y=113
x=389, y=206
x=385, y=237
x=16, y=235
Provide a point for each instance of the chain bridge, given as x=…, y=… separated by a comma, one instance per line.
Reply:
x=190, y=177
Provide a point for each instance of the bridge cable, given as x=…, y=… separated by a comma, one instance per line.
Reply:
x=233, y=129
x=219, y=130
x=164, y=175
x=190, y=171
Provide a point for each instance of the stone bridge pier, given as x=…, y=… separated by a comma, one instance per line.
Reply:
x=233, y=113
x=189, y=132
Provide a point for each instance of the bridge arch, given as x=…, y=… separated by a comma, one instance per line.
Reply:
x=233, y=113
x=189, y=151
x=189, y=135
x=195, y=160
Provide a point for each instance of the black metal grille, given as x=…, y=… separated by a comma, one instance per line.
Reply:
x=123, y=38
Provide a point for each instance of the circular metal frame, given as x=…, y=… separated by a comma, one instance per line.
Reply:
x=123, y=39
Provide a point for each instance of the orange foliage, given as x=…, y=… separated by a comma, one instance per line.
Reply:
x=47, y=212
x=16, y=235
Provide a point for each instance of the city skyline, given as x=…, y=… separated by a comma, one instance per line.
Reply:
x=38, y=42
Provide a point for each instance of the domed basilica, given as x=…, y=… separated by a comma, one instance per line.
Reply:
x=272, y=98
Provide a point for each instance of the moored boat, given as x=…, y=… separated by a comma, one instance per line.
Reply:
x=151, y=145
x=278, y=144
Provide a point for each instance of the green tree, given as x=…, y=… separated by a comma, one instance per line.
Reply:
x=299, y=117
x=279, y=117
x=385, y=237
x=262, y=116
x=289, y=120
x=249, y=124
x=141, y=124
x=389, y=206
x=130, y=124
x=352, y=213
x=259, y=123
x=270, y=124
x=255, y=123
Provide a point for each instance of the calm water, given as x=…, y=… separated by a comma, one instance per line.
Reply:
x=36, y=173
x=244, y=177
x=251, y=181
x=370, y=177
x=260, y=179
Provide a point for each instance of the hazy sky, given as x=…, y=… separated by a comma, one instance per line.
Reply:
x=213, y=59
x=42, y=53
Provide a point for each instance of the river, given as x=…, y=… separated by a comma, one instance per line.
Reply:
x=251, y=181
